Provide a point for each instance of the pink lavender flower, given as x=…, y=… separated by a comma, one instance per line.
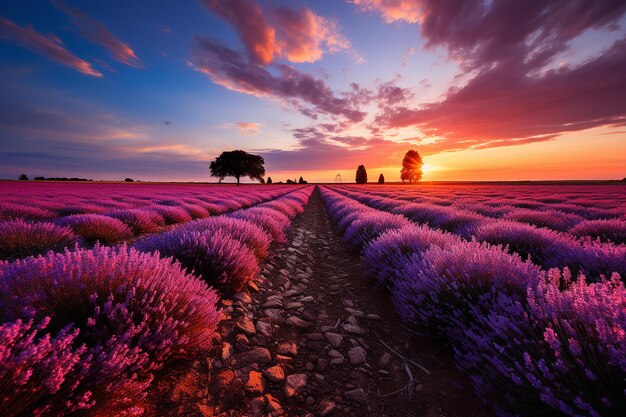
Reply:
x=133, y=313
x=96, y=227
x=19, y=239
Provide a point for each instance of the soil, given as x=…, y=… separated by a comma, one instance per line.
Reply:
x=313, y=336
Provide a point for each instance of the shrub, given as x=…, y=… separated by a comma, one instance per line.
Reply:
x=557, y=352
x=39, y=372
x=610, y=230
x=139, y=220
x=443, y=288
x=96, y=227
x=553, y=219
x=10, y=211
x=171, y=214
x=196, y=211
x=133, y=312
x=370, y=225
x=247, y=232
x=272, y=221
x=223, y=261
x=19, y=239
x=385, y=255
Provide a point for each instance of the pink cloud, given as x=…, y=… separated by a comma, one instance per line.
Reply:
x=48, y=45
x=299, y=35
x=309, y=95
x=506, y=48
x=96, y=32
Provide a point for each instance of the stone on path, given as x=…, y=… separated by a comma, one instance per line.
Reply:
x=334, y=339
x=295, y=383
x=356, y=395
x=254, y=384
x=256, y=355
x=327, y=408
x=299, y=323
x=288, y=348
x=245, y=325
x=274, y=374
x=357, y=355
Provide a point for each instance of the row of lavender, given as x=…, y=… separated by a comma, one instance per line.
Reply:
x=545, y=247
x=534, y=342
x=594, y=211
x=88, y=330
x=108, y=213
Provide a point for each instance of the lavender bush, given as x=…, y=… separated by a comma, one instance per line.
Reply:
x=19, y=238
x=223, y=261
x=394, y=247
x=96, y=227
x=609, y=230
x=139, y=220
x=133, y=312
x=559, y=353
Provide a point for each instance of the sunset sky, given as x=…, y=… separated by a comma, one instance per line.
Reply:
x=155, y=90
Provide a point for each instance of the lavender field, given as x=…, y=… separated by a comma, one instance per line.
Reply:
x=107, y=291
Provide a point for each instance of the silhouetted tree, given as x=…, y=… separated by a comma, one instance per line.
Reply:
x=129, y=180
x=238, y=164
x=39, y=178
x=23, y=177
x=262, y=181
x=381, y=179
x=269, y=180
x=411, y=167
x=302, y=181
x=290, y=181
x=361, y=175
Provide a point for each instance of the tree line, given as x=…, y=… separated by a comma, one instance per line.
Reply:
x=240, y=164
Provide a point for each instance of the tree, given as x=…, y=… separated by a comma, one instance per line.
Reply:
x=302, y=181
x=129, y=180
x=23, y=177
x=361, y=175
x=262, y=181
x=269, y=180
x=381, y=179
x=238, y=164
x=411, y=167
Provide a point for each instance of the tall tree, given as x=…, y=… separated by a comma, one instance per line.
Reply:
x=269, y=180
x=411, y=167
x=361, y=175
x=381, y=179
x=238, y=164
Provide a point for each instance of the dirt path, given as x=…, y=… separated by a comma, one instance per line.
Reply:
x=310, y=340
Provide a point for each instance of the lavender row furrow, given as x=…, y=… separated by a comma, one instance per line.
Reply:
x=86, y=331
x=545, y=247
x=77, y=220
x=535, y=343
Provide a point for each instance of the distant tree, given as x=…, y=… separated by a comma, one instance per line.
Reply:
x=262, y=181
x=238, y=164
x=129, y=180
x=290, y=181
x=411, y=167
x=23, y=177
x=381, y=179
x=361, y=175
x=39, y=178
x=269, y=180
x=302, y=181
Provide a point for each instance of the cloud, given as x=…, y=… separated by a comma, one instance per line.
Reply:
x=48, y=45
x=298, y=35
x=511, y=92
x=232, y=70
x=96, y=32
x=248, y=128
